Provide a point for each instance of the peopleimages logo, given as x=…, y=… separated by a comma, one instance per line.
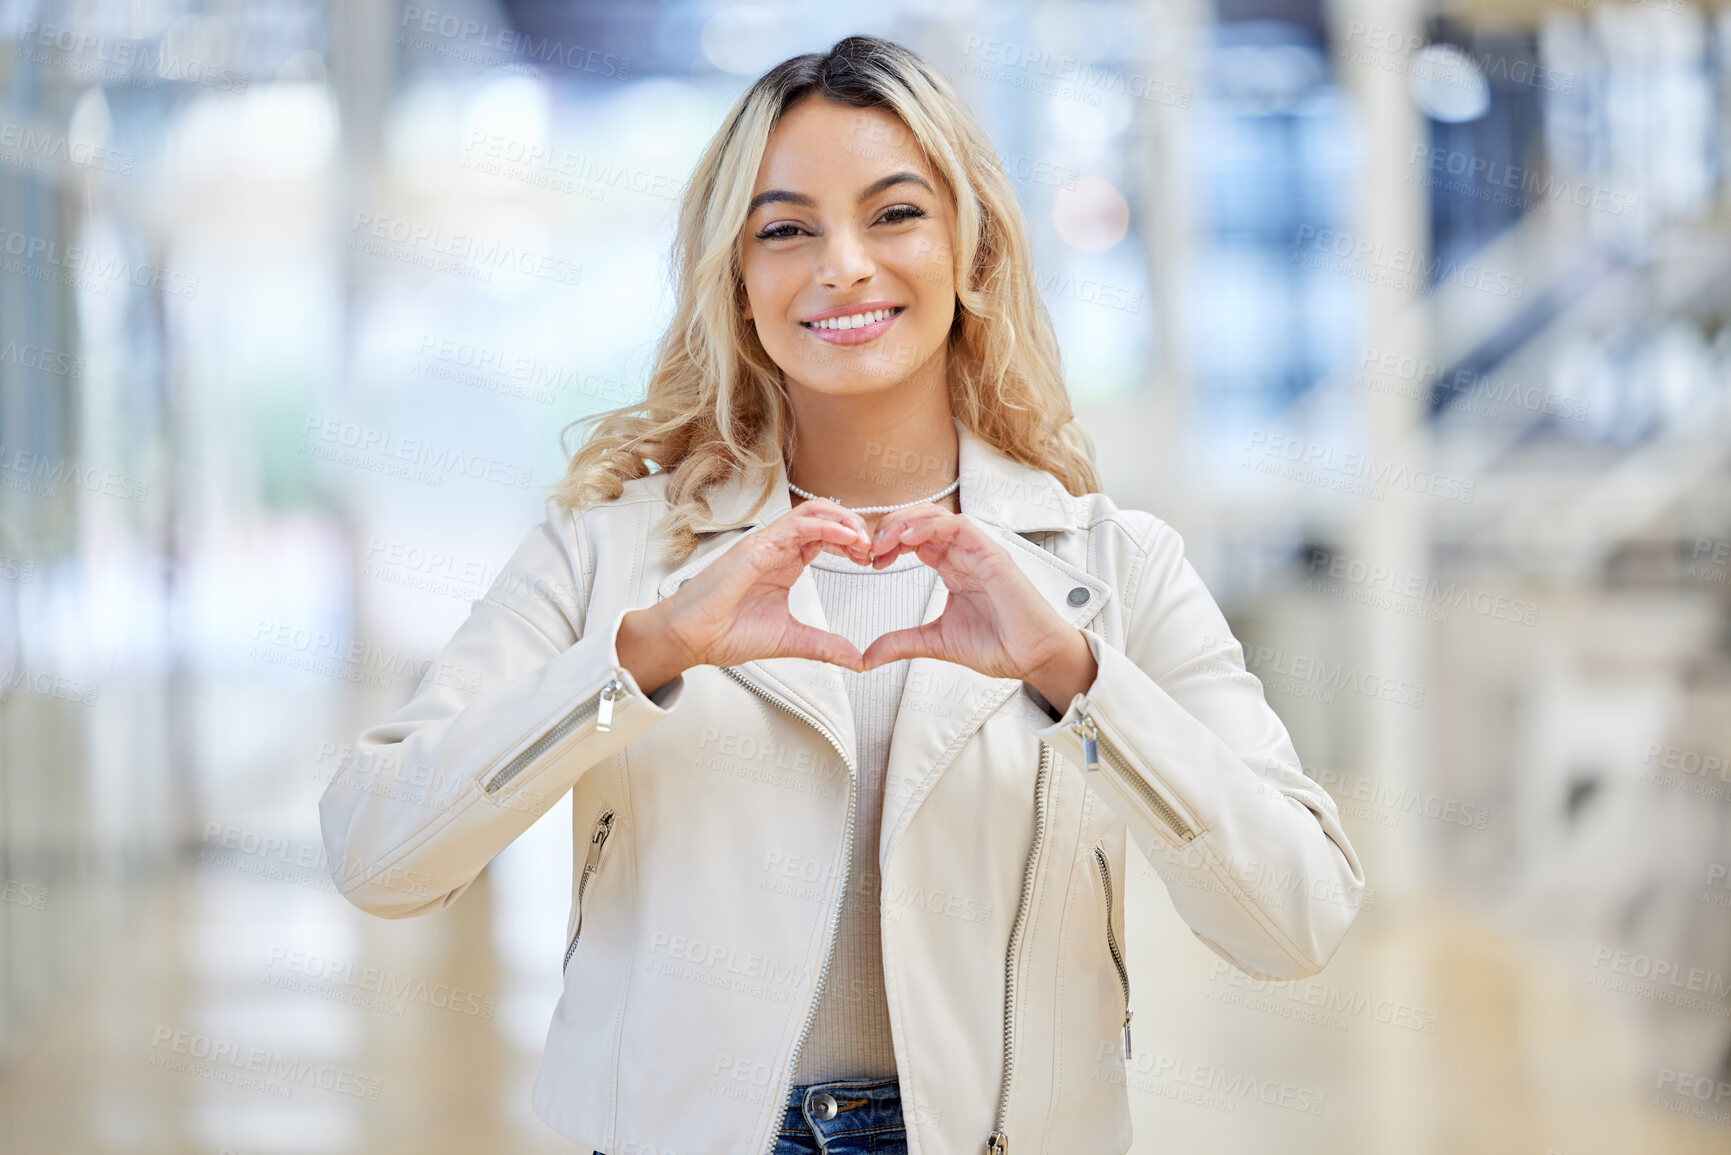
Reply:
x=1660, y=976
x=550, y=166
x=256, y=1068
x=412, y=458
x=370, y=987
x=354, y=660
x=23, y=894
x=1388, y=371
x=37, y=256
x=1331, y=573
x=39, y=475
x=122, y=61
x=1527, y=188
x=416, y=242
x=1333, y=1004
x=1231, y=1086
x=40, y=144
x=1067, y=77
x=1397, y=50
x=419, y=25
x=1361, y=474
x=1396, y=266
x=42, y=359
x=1283, y=671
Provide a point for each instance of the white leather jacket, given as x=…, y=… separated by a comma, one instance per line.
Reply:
x=713, y=825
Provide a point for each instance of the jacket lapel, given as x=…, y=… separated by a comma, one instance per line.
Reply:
x=942, y=703
x=814, y=687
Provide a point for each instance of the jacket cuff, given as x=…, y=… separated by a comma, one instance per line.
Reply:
x=589, y=664
x=477, y=797
x=1122, y=691
x=665, y=698
x=1202, y=773
x=1045, y=720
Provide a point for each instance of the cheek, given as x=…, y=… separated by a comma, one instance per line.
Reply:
x=765, y=290
x=927, y=266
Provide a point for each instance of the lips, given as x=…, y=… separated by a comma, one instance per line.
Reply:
x=857, y=334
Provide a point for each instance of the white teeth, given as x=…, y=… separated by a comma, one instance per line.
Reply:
x=858, y=320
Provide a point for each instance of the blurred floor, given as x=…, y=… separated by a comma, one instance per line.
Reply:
x=365, y=1061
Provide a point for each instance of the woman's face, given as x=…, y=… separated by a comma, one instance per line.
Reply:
x=847, y=218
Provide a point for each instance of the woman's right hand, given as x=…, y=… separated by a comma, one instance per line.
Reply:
x=735, y=609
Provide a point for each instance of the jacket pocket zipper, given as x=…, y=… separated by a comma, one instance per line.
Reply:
x=597, y=839
x=599, y=703
x=1112, y=944
x=1095, y=743
x=998, y=1142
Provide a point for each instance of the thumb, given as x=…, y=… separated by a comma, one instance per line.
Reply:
x=803, y=641
x=915, y=642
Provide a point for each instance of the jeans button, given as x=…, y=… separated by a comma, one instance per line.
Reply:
x=823, y=1106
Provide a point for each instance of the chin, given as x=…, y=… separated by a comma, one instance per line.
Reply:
x=850, y=386
x=844, y=384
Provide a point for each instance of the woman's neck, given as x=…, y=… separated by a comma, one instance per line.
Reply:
x=874, y=449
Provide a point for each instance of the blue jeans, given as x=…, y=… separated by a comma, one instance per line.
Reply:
x=867, y=1119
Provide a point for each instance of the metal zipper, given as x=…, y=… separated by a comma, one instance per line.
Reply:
x=600, y=701
x=597, y=839
x=1094, y=742
x=841, y=889
x=1112, y=944
x=998, y=1142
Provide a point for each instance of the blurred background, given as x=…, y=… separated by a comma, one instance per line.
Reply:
x=1411, y=317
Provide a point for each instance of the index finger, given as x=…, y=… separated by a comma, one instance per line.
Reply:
x=824, y=508
x=893, y=524
x=800, y=527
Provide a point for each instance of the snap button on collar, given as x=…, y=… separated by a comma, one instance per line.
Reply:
x=1079, y=596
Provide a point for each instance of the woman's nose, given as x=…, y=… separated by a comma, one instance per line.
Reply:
x=843, y=259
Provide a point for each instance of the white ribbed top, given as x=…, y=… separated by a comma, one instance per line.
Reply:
x=850, y=1029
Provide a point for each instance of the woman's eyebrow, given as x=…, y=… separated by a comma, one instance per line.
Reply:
x=787, y=196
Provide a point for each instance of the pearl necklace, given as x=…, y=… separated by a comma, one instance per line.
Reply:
x=944, y=492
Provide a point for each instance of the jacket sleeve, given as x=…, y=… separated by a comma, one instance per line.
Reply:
x=503, y=723
x=1190, y=755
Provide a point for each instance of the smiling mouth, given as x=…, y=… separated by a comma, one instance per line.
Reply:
x=854, y=321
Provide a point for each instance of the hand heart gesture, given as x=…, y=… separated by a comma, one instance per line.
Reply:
x=994, y=621
x=735, y=609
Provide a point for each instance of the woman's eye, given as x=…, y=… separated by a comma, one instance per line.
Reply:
x=894, y=215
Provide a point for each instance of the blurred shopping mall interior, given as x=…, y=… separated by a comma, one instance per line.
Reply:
x=1414, y=318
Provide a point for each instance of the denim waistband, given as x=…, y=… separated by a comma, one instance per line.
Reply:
x=862, y=1106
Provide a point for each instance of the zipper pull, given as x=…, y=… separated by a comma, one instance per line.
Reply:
x=604, y=720
x=1090, y=748
x=602, y=827
x=997, y=1143
x=1127, y=1013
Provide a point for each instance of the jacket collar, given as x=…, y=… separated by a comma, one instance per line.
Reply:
x=944, y=703
x=995, y=489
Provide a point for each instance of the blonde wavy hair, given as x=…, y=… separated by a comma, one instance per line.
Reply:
x=716, y=404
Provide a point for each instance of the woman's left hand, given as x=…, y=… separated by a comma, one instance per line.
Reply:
x=994, y=620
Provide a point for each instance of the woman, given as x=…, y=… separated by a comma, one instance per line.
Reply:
x=857, y=694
